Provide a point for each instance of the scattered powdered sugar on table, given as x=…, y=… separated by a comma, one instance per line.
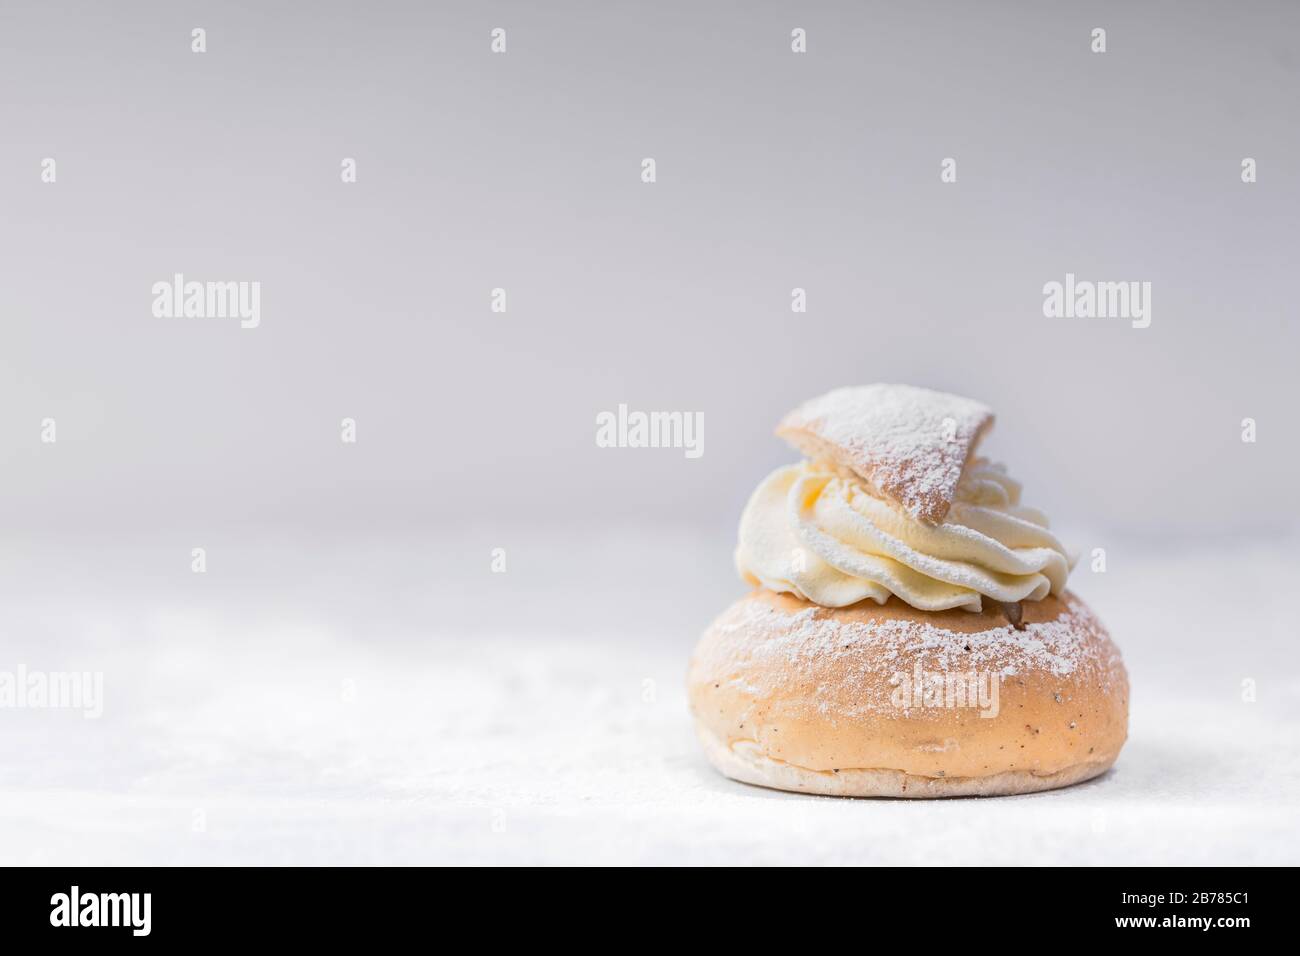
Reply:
x=910, y=443
x=495, y=727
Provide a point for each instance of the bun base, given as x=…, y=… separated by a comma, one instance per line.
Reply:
x=880, y=700
x=745, y=763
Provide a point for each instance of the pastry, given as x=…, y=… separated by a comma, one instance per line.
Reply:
x=909, y=633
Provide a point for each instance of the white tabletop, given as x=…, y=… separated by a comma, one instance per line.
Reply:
x=394, y=701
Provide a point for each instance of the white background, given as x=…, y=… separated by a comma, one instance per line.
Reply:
x=349, y=681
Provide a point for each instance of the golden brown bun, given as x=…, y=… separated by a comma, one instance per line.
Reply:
x=791, y=695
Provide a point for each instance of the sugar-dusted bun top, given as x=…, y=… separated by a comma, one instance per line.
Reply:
x=910, y=444
x=892, y=501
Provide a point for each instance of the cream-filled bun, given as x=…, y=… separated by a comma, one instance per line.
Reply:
x=889, y=701
x=911, y=634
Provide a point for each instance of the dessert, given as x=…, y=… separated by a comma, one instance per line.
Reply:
x=909, y=633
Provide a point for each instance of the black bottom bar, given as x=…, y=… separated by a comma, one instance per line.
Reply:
x=337, y=906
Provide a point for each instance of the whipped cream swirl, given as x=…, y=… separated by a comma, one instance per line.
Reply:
x=822, y=534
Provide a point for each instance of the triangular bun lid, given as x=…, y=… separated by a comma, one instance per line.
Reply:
x=910, y=444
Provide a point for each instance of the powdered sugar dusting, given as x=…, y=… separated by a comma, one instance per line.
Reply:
x=910, y=443
x=878, y=649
